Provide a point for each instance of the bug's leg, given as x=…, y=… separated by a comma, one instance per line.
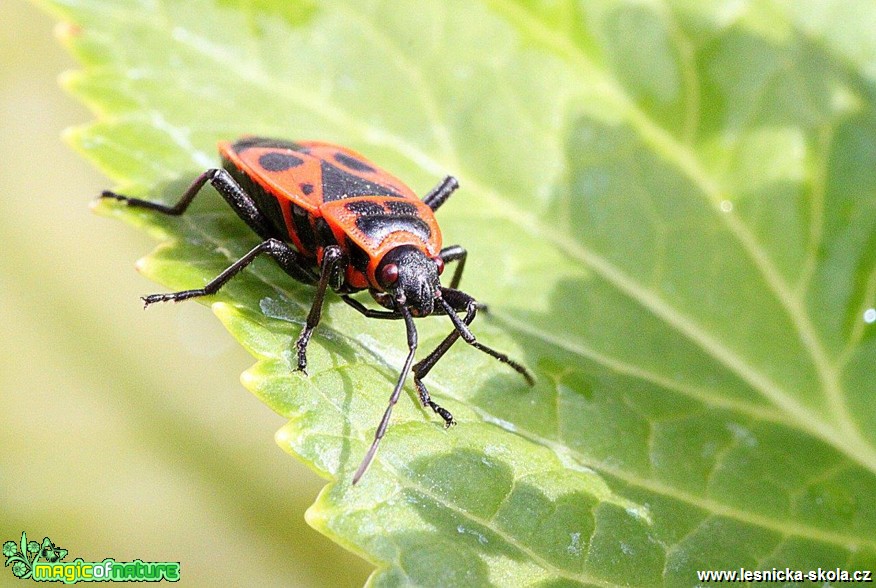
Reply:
x=384, y=422
x=369, y=312
x=470, y=306
x=458, y=254
x=440, y=193
x=453, y=301
x=332, y=260
x=227, y=187
x=427, y=363
x=427, y=401
x=288, y=258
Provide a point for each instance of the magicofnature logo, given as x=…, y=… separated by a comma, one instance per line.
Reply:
x=44, y=562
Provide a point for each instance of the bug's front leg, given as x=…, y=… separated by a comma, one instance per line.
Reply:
x=427, y=363
x=452, y=301
x=332, y=261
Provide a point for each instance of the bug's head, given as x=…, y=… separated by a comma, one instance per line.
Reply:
x=410, y=277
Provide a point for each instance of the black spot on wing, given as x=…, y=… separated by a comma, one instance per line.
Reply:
x=401, y=207
x=378, y=226
x=364, y=207
x=377, y=220
x=306, y=188
x=249, y=142
x=277, y=161
x=353, y=163
x=338, y=184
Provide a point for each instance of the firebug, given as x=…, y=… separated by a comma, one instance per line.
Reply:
x=331, y=218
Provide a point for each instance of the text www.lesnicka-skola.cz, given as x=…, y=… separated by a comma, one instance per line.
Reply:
x=785, y=575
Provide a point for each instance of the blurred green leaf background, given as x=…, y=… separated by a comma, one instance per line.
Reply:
x=98, y=400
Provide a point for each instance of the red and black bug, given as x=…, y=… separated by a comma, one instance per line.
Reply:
x=331, y=218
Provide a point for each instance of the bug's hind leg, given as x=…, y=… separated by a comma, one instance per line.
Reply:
x=241, y=202
x=289, y=259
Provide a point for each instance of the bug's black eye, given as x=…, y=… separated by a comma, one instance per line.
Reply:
x=440, y=263
x=389, y=274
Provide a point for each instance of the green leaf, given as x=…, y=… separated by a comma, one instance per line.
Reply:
x=670, y=208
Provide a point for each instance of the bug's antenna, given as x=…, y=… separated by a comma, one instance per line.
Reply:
x=384, y=422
